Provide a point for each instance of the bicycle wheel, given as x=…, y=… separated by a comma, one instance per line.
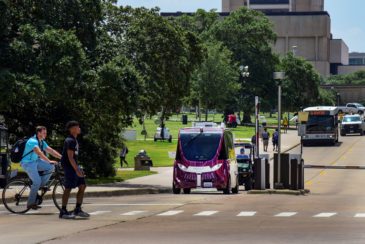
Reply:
x=15, y=196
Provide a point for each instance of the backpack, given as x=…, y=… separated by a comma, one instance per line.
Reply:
x=276, y=137
x=17, y=150
x=265, y=135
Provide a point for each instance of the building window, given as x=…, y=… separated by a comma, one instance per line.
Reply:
x=357, y=61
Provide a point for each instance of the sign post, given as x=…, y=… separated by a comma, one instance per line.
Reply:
x=257, y=129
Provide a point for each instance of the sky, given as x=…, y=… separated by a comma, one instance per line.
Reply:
x=348, y=18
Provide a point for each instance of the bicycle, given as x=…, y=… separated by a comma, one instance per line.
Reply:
x=15, y=193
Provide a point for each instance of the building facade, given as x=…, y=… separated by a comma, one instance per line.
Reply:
x=302, y=26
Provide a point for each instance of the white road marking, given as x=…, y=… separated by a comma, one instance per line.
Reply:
x=246, y=214
x=99, y=212
x=131, y=213
x=360, y=215
x=324, y=215
x=134, y=204
x=170, y=213
x=206, y=213
x=286, y=214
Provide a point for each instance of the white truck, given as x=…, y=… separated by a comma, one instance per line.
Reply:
x=352, y=108
x=352, y=124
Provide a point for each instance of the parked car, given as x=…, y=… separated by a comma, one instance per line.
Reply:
x=162, y=135
x=352, y=108
x=352, y=124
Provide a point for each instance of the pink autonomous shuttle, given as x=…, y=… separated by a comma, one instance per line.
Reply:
x=205, y=158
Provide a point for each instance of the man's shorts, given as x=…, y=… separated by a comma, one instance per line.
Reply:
x=266, y=142
x=72, y=180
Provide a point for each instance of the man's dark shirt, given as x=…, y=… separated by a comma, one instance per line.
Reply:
x=72, y=144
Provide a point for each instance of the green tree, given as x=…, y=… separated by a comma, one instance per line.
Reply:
x=216, y=80
x=165, y=54
x=249, y=36
x=301, y=86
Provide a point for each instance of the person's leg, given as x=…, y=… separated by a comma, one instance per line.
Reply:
x=80, y=196
x=125, y=161
x=65, y=197
x=47, y=170
x=32, y=171
x=121, y=162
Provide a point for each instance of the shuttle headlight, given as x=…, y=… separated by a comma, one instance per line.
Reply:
x=216, y=167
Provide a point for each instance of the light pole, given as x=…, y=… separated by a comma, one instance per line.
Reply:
x=338, y=99
x=279, y=76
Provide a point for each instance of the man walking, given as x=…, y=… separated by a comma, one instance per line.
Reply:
x=74, y=176
x=123, y=155
x=265, y=139
x=35, y=160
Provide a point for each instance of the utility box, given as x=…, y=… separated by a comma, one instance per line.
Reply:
x=184, y=119
x=142, y=161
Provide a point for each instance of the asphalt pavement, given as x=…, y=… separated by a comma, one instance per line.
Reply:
x=334, y=212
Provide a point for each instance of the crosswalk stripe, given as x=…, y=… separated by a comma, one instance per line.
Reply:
x=360, y=215
x=246, y=214
x=170, y=213
x=324, y=215
x=206, y=213
x=286, y=214
x=99, y=212
x=131, y=213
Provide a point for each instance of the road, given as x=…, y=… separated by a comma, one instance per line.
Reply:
x=334, y=212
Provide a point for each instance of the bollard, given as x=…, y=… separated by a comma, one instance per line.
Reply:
x=301, y=175
x=284, y=171
x=294, y=171
x=295, y=160
x=260, y=174
x=266, y=158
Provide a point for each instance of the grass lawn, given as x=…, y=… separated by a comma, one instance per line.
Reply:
x=120, y=177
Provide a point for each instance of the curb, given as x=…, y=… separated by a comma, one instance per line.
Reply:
x=128, y=192
x=280, y=192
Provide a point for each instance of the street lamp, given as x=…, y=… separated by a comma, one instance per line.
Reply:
x=279, y=76
x=244, y=71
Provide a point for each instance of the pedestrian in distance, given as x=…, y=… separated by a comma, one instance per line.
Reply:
x=74, y=175
x=253, y=142
x=265, y=139
x=275, y=140
x=286, y=124
x=123, y=154
x=34, y=160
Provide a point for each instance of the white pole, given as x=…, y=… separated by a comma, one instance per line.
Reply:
x=279, y=128
x=257, y=129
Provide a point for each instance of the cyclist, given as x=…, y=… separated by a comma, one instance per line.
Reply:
x=74, y=176
x=35, y=160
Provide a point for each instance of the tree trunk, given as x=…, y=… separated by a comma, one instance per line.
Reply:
x=206, y=115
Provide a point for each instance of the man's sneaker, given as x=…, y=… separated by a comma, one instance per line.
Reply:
x=81, y=214
x=64, y=214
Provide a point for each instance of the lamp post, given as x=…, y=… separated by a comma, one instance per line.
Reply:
x=279, y=76
x=338, y=99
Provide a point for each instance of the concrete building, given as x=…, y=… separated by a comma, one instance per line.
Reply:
x=275, y=5
x=303, y=26
x=356, y=62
